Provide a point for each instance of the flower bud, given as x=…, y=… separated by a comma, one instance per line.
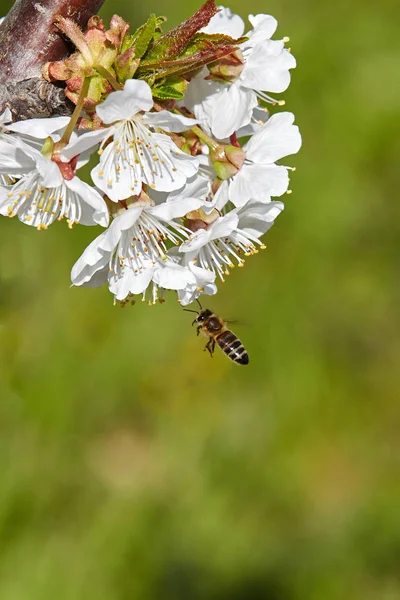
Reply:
x=198, y=219
x=228, y=68
x=227, y=160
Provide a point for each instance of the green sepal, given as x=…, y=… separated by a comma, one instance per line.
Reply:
x=47, y=148
x=126, y=65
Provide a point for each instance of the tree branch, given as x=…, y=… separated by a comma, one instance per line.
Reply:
x=28, y=39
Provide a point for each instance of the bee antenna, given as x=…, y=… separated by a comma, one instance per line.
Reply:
x=198, y=302
x=188, y=310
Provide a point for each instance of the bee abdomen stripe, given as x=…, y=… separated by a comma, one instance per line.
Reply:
x=226, y=338
x=236, y=344
x=232, y=346
x=243, y=359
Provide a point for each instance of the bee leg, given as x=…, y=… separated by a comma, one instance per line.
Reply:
x=210, y=346
x=198, y=330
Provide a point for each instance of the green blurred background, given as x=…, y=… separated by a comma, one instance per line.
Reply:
x=132, y=465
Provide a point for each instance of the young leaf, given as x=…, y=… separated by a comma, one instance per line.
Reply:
x=175, y=41
x=142, y=37
x=172, y=88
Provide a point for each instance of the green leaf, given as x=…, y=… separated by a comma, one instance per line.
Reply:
x=198, y=56
x=175, y=41
x=167, y=93
x=142, y=37
x=206, y=41
x=172, y=88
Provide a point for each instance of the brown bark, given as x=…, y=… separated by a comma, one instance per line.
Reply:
x=28, y=39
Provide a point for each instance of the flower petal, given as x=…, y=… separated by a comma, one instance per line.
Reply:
x=93, y=259
x=258, y=182
x=232, y=109
x=277, y=138
x=172, y=168
x=49, y=171
x=131, y=282
x=221, y=197
x=169, y=121
x=196, y=241
x=195, y=187
x=264, y=27
x=13, y=161
x=172, y=276
x=137, y=156
x=199, y=98
x=267, y=67
x=192, y=292
x=85, y=142
x=257, y=217
x=118, y=181
x=226, y=22
x=94, y=209
x=258, y=119
x=224, y=226
x=125, y=104
x=99, y=252
x=175, y=209
x=39, y=128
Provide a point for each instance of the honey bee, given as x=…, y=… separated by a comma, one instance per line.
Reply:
x=216, y=330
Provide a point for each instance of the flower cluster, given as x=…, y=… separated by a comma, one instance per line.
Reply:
x=184, y=151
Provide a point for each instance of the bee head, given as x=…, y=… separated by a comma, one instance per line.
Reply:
x=203, y=315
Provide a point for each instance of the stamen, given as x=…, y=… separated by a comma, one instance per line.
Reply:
x=267, y=98
x=41, y=206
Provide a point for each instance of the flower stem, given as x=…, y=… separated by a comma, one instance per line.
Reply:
x=107, y=75
x=212, y=144
x=76, y=114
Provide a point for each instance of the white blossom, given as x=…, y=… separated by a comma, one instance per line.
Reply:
x=231, y=237
x=203, y=282
x=132, y=253
x=259, y=177
x=180, y=221
x=137, y=154
x=31, y=131
x=225, y=107
x=41, y=194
